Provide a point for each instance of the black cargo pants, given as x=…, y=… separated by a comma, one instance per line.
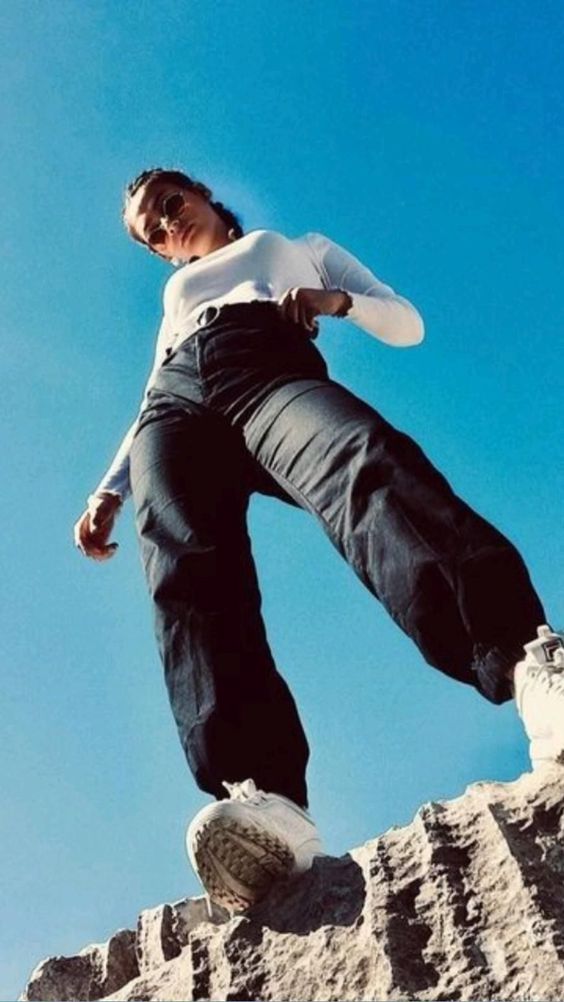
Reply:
x=246, y=404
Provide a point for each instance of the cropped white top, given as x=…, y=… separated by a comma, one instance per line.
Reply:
x=264, y=264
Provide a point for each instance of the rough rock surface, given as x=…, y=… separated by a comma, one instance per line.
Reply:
x=465, y=903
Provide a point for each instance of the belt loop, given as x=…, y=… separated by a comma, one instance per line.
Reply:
x=207, y=315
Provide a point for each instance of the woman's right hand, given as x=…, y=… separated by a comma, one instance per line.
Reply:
x=93, y=528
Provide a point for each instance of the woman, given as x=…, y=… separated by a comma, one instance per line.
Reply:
x=239, y=400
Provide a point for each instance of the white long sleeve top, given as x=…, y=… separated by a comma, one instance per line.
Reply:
x=264, y=264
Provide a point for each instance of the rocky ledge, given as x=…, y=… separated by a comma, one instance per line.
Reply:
x=465, y=903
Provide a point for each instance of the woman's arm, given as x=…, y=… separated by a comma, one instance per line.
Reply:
x=116, y=478
x=376, y=308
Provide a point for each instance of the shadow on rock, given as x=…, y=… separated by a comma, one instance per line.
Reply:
x=331, y=893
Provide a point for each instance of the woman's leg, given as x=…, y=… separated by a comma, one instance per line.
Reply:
x=455, y=584
x=235, y=714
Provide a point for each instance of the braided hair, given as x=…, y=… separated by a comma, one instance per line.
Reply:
x=178, y=177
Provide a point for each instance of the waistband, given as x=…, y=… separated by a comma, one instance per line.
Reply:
x=210, y=315
x=230, y=311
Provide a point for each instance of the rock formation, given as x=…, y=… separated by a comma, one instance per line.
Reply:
x=465, y=903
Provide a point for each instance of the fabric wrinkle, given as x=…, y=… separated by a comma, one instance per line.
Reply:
x=247, y=404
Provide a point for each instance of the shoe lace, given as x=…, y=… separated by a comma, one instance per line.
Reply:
x=245, y=790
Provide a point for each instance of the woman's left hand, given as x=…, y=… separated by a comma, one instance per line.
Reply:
x=301, y=306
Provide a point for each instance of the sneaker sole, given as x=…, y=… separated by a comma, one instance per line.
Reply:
x=239, y=864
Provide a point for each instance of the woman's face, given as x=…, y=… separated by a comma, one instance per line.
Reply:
x=196, y=230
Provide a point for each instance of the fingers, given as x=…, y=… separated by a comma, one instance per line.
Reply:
x=303, y=312
x=296, y=307
x=95, y=525
x=102, y=509
x=289, y=306
x=308, y=320
x=92, y=542
x=105, y=553
x=98, y=553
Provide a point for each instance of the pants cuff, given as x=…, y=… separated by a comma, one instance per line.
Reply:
x=491, y=665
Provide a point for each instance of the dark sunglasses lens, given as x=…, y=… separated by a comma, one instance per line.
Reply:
x=173, y=205
x=156, y=237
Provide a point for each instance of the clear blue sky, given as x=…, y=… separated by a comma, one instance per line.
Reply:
x=427, y=139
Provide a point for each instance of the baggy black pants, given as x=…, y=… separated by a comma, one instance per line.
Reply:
x=246, y=404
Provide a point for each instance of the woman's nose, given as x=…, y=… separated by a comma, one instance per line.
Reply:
x=169, y=224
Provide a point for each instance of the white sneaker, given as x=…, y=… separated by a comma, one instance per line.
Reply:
x=240, y=847
x=539, y=695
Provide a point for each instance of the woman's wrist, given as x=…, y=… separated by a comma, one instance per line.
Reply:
x=98, y=495
x=345, y=305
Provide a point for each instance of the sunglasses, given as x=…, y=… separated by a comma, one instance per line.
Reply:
x=171, y=208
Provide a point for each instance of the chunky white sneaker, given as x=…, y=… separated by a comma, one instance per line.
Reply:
x=539, y=695
x=240, y=847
